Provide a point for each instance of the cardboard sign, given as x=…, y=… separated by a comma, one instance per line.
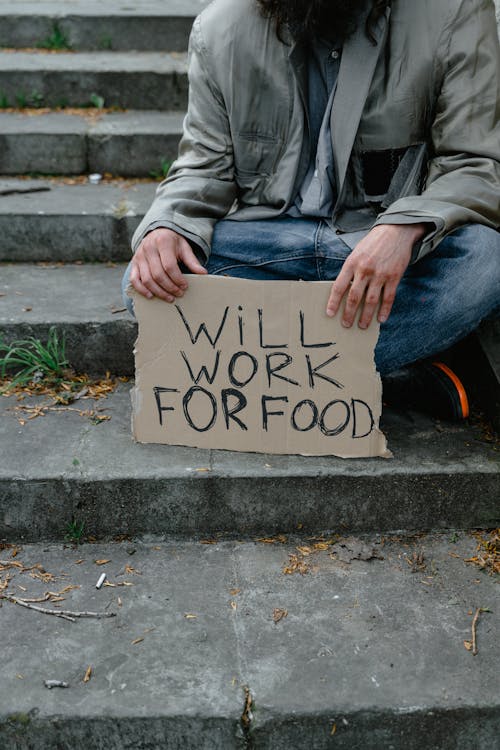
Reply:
x=255, y=366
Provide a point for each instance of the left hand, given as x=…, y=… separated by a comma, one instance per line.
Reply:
x=373, y=271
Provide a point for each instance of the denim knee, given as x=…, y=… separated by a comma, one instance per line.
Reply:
x=127, y=301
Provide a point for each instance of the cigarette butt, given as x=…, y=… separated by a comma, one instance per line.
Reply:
x=101, y=580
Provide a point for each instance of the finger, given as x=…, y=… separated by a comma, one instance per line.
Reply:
x=189, y=258
x=372, y=301
x=161, y=275
x=338, y=290
x=387, y=302
x=151, y=285
x=137, y=283
x=353, y=301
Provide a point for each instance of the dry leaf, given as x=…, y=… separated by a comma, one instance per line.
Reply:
x=203, y=468
x=234, y=605
x=79, y=562
x=234, y=592
x=304, y=551
x=137, y=640
x=101, y=562
x=279, y=614
x=334, y=729
x=131, y=570
x=190, y=616
x=88, y=674
x=119, y=602
x=20, y=676
x=468, y=645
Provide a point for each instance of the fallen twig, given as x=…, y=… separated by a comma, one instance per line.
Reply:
x=65, y=614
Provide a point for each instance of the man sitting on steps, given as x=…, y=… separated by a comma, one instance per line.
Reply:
x=351, y=140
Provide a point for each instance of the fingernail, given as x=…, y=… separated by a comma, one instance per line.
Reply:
x=330, y=312
x=363, y=326
x=382, y=318
x=149, y=295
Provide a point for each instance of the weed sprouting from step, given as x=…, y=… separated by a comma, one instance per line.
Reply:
x=74, y=531
x=162, y=172
x=105, y=42
x=4, y=102
x=56, y=41
x=96, y=101
x=30, y=360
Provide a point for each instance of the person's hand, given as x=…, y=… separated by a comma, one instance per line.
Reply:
x=372, y=272
x=155, y=265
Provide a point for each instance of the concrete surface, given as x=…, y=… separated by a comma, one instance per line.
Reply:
x=369, y=657
x=61, y=466
x=69, y=222
x=95, y=25
x=125, y=143
x=139, y=80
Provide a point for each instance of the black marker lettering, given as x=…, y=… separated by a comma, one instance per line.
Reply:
x=230, y=412
x=266, y=414
x=272, y=370
x=302, y=336
x=355, y=420
x=313, y=371
x=203, y=370
x=158, y=391
x=261, y=336
x=341, y=426
x=185, y=405
x=232, y=365
x=314, y=415
x=203, y=328
x=240, y=325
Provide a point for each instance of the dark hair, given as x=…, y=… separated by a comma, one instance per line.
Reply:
x=280, y=12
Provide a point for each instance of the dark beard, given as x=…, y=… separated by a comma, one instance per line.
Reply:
x=306, y=19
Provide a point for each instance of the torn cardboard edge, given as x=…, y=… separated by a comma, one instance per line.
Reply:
x=256, y=366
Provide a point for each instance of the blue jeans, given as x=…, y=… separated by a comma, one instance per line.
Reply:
x=440, y=299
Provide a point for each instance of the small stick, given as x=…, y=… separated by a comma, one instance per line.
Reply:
x=474, y=626
x=65, y=614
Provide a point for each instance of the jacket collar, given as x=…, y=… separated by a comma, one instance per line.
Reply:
x=357, y=67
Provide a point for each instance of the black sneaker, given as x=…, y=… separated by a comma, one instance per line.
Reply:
x=429, y=387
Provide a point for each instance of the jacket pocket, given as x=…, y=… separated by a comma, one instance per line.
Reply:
x=394, y=173
x=255, y=154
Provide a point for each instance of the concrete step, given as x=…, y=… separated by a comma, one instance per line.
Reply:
x=125, y=143
x=63, y=466
x=81, y=300
x=369, y=654
x=97, y=25
x=68, y=222
x=138, y=80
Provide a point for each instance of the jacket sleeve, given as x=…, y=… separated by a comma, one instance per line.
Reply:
x=200, y=187
x=463, y=181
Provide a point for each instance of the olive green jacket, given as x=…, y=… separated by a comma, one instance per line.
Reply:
x=427, y=91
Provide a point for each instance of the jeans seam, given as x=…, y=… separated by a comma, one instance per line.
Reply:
x=262, y=263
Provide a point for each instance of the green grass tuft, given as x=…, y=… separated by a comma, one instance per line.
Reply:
x=29, y=360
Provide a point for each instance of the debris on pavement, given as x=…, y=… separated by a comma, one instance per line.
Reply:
x=55, y=683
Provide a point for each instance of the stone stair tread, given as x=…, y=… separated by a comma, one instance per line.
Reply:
x=94, y=62
x=140, y=80
x=58, y=122
x=130, y=143
x=441, y=476
x=367, y=653
x=62, y=8
x=99, y=219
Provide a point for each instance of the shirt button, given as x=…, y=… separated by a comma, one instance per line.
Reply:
x=335, y=54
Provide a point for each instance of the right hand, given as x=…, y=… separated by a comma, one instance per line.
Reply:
x=155, y=265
